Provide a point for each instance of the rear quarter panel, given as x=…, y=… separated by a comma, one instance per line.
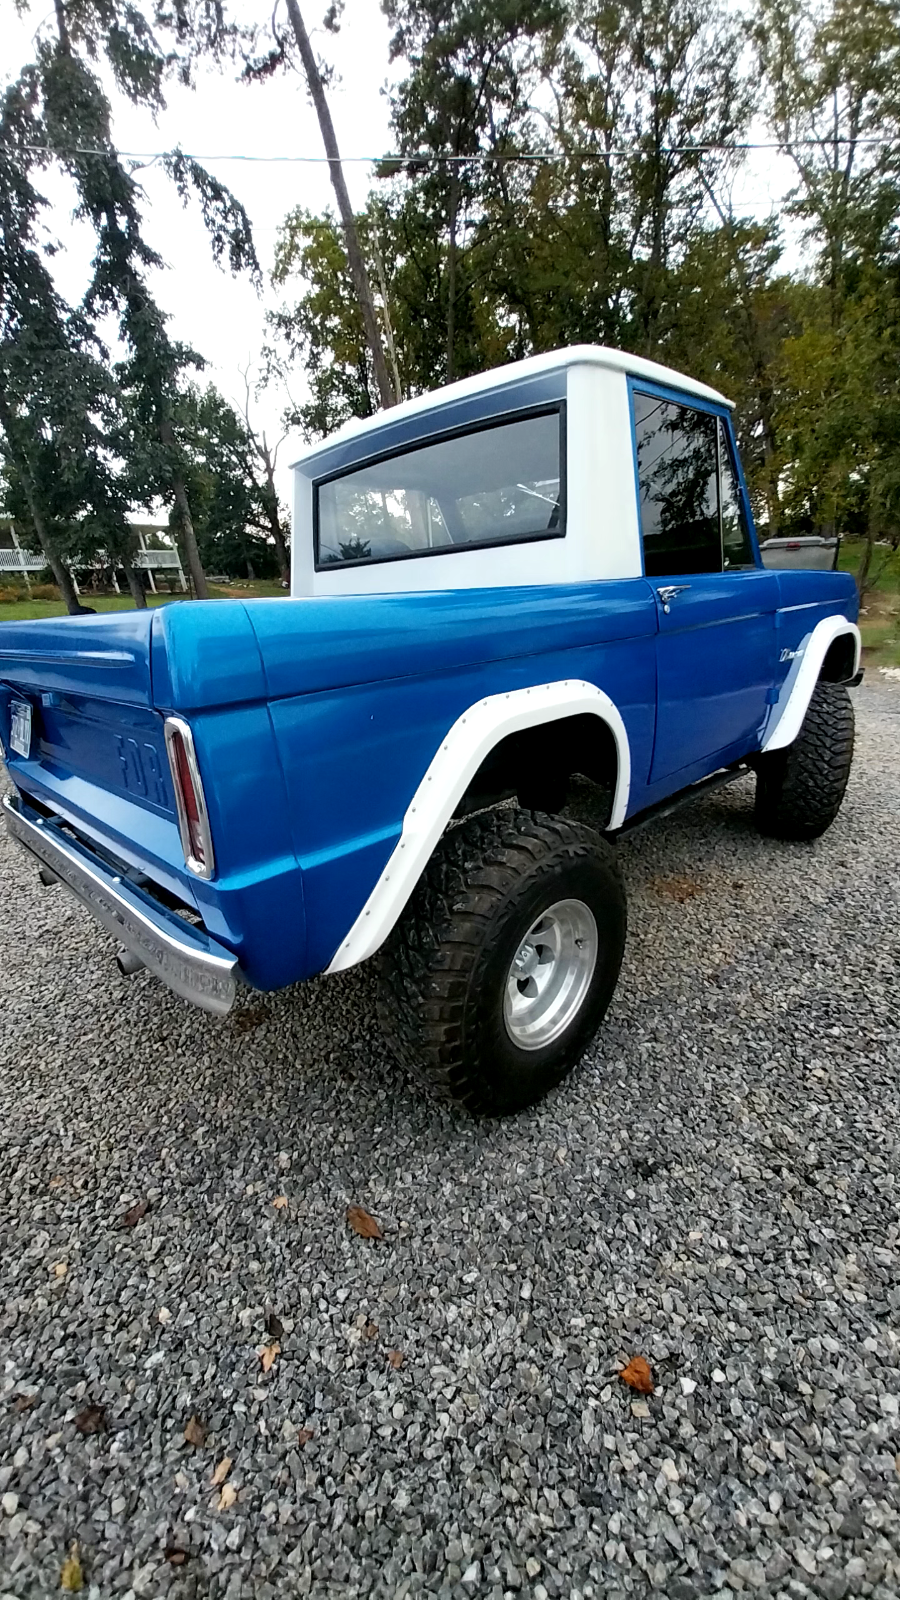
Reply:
x=804, y=598
x=354, y=752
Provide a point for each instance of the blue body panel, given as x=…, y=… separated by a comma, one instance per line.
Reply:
x=315, y=720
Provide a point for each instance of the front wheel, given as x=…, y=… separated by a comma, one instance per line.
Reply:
x=497, y=977
x=799, y=790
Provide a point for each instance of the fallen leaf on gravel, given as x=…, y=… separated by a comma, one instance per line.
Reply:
x=303, y=1437
x=274, y=1325
x=91, y=1420
x=133, y=1217
x=370, y=1331
x=395, y=1359
x=251, y=1018
x=24, y=1402
x=280, y=1202
x=678, y=888
x=222, y=1471
x=175, y=1555
x=72, y=1578
x=363, y=1224
x=637, y=1375
x=267, y=1355
x=227, y=1497
x=60, y=1268
x=195, y=1432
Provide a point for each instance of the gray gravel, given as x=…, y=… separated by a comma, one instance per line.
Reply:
x=716, y=1189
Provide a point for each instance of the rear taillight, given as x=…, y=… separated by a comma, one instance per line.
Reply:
x=190, y=803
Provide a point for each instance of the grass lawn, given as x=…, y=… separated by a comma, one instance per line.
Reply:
x=879, y=617
x=30, y=610
x=879, y=620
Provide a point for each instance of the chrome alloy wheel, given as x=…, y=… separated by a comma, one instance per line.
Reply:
x=550, y=974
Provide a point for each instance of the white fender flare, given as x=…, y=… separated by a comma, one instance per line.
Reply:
x=786, y=718
x=471, y=738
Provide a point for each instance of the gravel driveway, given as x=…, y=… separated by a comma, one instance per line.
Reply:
x=715, y=1190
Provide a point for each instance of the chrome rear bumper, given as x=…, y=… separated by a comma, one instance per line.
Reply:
x=180, y=955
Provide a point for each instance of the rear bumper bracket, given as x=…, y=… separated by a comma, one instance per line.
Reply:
x=183, y=957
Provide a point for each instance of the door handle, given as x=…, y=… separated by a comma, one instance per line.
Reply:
x=669, y=591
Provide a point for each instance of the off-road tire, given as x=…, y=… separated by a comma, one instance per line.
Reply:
x=799, y=790
x=444, y=969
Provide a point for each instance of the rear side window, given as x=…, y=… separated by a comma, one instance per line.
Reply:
x=737, y=551
x=678, y=476
x=495, y=485
x=692, y=515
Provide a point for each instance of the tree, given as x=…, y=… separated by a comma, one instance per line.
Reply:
x=70, y=124
x=57, y=396
x=831, y=75
x=316, y=79
x=230, y=476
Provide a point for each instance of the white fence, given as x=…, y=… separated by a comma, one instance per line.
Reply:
x=149, y=561
x=157, y=559
x=21, y=561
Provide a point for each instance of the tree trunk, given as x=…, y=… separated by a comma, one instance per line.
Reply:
x=182, y=504
x=135, y=587
x=451, y=275
x=271, y=506
x=865, y=566
x=61, y=573
x=348, y=220
x=189, y=537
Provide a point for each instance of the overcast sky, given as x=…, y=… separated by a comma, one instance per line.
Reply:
x=220, y=316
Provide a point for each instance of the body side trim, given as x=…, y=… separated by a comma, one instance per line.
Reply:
x=471, y=738
x=786, y=717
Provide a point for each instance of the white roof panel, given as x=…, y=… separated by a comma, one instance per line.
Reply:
x=498, y=377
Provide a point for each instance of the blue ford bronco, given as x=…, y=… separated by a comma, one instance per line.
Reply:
x=545, y=571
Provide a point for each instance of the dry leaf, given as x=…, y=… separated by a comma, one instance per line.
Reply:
x=195, y=1432
x=274, y=1325
x=251, y=1018
x=60, y=1268
x=227, y=1497
x=370, y=1331
x=72, y=1578
x=303, y=1437
x=24, y=1402
x=91, y=1420
x=267, y=1355
x=678, y=888
x=132, y=1217
x=222, y=1471
x=280, y=1202
x=363, y=1224
x=637, y=1375
x=395, y=1359
x=175, y=1555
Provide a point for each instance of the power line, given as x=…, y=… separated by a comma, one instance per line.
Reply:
x=480, y=159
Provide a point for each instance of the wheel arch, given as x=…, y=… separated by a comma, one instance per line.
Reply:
x=828, y=650
x=468, y=743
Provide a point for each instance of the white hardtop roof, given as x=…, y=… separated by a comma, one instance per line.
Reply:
x=575, y=355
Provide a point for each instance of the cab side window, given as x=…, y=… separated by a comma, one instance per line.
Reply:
x=692, y=513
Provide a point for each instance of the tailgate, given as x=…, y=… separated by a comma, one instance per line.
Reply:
x=97, y=751
x=106, y=657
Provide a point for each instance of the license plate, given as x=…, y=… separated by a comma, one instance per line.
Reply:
x=20, y=728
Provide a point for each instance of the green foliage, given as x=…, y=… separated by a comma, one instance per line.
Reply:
x=626, y=234
x=83, y=441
